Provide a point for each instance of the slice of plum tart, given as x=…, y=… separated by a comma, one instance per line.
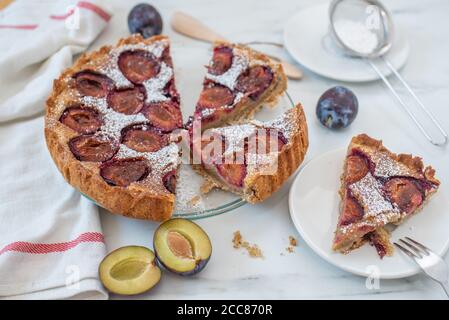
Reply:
x=379, y=188
x=239, y=80
x=110, y=127
x=253, y=159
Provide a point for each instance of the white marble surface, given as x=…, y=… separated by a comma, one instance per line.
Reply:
x=232, y=274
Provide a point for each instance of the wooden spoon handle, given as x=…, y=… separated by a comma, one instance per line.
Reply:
x=193, y=28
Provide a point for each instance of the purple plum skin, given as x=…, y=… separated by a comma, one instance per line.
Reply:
x=145, y=19
x=199, y=266
x=337, y=108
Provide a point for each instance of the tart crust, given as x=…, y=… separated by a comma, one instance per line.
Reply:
x=259, y=186
x=134, y=201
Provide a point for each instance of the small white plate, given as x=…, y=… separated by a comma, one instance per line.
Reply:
x=314, y=209
x=306, y=39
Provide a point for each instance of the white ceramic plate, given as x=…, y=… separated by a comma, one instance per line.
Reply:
x=314, y=209
x=305, y=38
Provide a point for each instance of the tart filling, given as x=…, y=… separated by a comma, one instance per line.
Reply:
x=234, y=156
x=123, y=111
x=237, y=82
x=378, y=188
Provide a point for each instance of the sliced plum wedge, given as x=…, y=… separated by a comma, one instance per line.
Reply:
x=94, y=84
x=215, y=97
x=129, y=270
x=169, y=181
x=182, y=246
x=81, y=119
x=164, y=115
x=92, y=148
x=127, y=101
x=144, y=138
x=138, y=66
x=255, y=81
x=123, y=172
x=233, y=173
x=221, y=60
x=356, y=167
x=405, y=193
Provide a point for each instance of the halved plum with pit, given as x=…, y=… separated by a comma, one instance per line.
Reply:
x=144, y=138
x=221, y=60
x=255, y=81
x=129, y=270
x=94, y=84
x=405, y=193
x=81, y=119
x=215, y=97
x=123, y=172
x=127, y=101
x=164, y=115
x=92, y=148
x=138, y=65
x=182, y=246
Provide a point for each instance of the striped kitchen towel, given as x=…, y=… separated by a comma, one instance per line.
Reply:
x=50, y=236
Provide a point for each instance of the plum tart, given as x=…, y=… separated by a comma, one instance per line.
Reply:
x=253, y=159
x=238, y=81
x=110, y=123
x=114, y=125
x=379, y=188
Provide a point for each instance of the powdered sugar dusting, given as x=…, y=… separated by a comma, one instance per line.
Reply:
x=160, y=162
x=206, y=112
x=188, y=188
x=154, y=86
x=235, y=136
x=369, y=192
x=113, y=122
x=286, y=124
x=112, y=70
x=387, y=167
x=229, y=78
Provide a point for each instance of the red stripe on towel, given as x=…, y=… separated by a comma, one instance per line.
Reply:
x=19, y=26
x=44, y=248
x=85, y=5
x=63, y=16
x=90, y=6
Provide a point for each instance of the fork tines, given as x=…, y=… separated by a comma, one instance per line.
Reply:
x=417, y=250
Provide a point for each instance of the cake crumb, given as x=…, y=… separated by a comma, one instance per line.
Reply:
x=292, y=244
x=253, y=249
x=207, y=186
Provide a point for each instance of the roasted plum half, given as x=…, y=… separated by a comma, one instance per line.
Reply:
x=182, y=247
x=129, y=270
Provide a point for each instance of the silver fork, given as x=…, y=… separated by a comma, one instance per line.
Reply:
x=431, y=263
